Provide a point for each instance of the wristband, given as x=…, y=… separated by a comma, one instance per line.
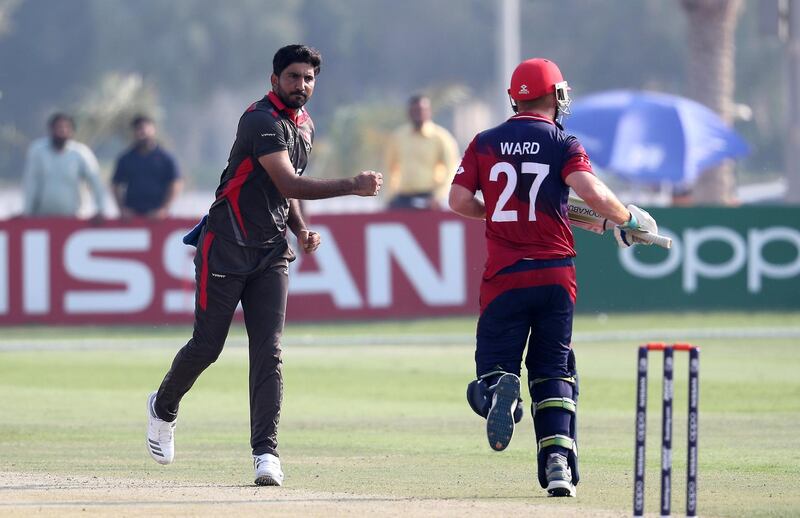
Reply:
x=631, y=224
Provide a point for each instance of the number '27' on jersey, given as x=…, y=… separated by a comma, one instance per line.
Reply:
x=520, y=167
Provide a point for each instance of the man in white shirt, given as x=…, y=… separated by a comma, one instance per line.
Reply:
x=55, y=167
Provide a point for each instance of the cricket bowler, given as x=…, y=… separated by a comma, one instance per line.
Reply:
x=243, y=256
x=524, y=169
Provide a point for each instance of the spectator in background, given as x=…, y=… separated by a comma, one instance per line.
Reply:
x=54, y=169
x=422, y=158
x=146, y=179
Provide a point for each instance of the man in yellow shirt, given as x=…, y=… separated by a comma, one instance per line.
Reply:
x=421, y=160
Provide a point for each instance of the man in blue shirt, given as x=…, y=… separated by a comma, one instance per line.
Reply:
x=146, y=179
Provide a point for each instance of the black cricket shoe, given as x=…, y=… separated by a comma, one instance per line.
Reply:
x=500, y=420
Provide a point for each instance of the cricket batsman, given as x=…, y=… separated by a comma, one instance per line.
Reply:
x=524, y=169
x=243, y=256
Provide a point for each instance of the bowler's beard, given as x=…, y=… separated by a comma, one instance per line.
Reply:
x=58, y=142
x=291, y=100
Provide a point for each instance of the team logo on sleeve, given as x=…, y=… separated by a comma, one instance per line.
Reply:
x=460, y=170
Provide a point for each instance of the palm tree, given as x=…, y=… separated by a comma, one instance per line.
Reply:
x=712, y=24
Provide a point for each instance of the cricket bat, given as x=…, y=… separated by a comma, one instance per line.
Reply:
x=582, y=216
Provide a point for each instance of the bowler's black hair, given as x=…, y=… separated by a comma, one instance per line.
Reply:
x=59, y=116
x=296, y=54
x=414, y=99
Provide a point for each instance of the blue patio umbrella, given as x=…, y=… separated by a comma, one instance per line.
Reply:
x=652, y=137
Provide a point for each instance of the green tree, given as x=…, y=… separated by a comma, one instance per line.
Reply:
x=204, y=60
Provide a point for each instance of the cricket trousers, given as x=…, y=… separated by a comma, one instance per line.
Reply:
x=226, y=274
x=531, y=303
x=528, y=303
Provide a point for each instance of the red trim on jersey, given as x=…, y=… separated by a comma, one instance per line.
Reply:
x=209, y=238
x=234, y=187
x=563, y=276
x=297, y=116
x=532, y=116
x=251, y=107
x=579, y=162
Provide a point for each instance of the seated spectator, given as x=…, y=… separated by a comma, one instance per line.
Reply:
x=422, y=158
x=55, y=167
x=146, y=179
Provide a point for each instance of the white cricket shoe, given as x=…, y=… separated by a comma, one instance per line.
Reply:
x=268, y=470
x=559, y=476
x=160, y=435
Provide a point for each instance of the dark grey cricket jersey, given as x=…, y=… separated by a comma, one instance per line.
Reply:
x=249, y=209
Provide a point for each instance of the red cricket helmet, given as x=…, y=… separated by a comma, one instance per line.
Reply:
x=536, y=77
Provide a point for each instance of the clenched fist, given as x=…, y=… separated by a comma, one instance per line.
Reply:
x=368, y=183
x=309, y=240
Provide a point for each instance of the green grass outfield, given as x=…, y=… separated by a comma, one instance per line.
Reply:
x=391, y=420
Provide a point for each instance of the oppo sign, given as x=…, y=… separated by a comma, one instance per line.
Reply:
x=745, y=251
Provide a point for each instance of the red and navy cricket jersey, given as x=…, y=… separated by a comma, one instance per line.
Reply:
x=249, y=209
x=520, y=167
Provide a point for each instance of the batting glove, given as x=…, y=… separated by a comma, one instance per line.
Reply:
x=640, y=221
